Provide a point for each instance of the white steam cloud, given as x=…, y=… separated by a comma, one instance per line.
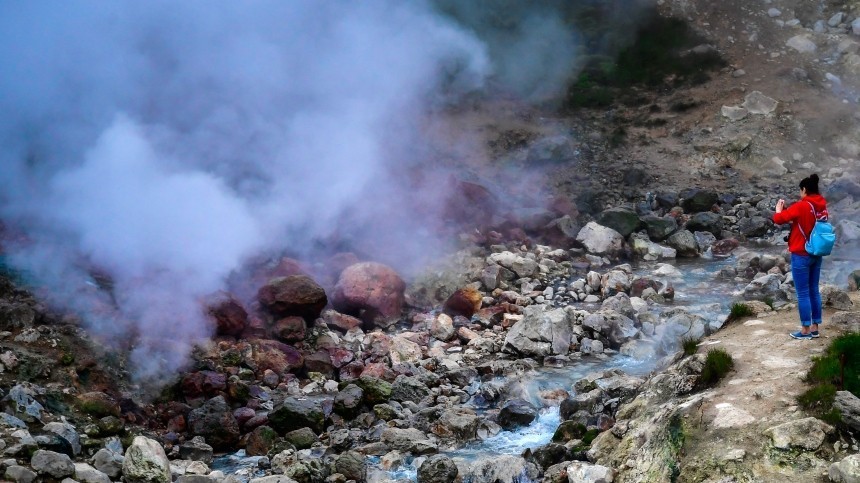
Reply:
x=164, y=143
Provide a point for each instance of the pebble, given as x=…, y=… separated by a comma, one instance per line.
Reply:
x=774, y=12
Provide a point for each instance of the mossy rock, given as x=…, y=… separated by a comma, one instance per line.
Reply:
x=110, y=425
x=568, y=431
x=97, y=404
x=302, y=438
x=375, y=390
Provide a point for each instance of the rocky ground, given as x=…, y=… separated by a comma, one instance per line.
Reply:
x=346, y=372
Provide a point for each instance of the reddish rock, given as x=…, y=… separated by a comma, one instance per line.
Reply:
x=340, y=356
x=177, y=424
x=230, y=317
x=351, y=371
x=469, y=203
x=724, y=248
x=490, y=316
x=290, y=329
x=339, y=321
x=377, y=344
x=256, y=329
x=258, y=420
x=640, y=284
x=274, y=355
x=379, y=371
x=243, y=415
x=260, y=441
x=320, y=361
x=293, y=295
x=371, y=291
x=465, y=302
x=208, y=383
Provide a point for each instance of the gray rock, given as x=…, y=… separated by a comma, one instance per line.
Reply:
x=214, y=420
x=855, y=26
x=501, y=469
x=802, y=44
x=459, y=423
x=516, y=413
x=352, y=465
x=734, y=113
x=660, y=228
x=56, y=465
x=67, y=432
x=684, y=242
x=622, y=220
x=849, y=408
x=197, y=479
x=407, y=388
x=705, y=221
x=845, y=471
x=437, y=469
x=109, y=463
x=581, y=472
x=403, y=440
x=87, y=474
x=697, y=200
x=145, y=462
x=756, y=226
x=20, y=474
x=294, y=413
x=758, y=103
x=764, y=288
x=600, y=240
x=615, y=281
x=806, y=434
x=541, y=332
x=836, y=19
x=773, y=12
x=835, y=297
x=196, y=450
x=273, y=479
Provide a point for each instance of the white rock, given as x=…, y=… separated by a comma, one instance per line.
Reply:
x=600, y=240
x=802, y=44
x=758, y=103
x=855, y=26
x=581, y=472
x=774, y=12
x=734, y=113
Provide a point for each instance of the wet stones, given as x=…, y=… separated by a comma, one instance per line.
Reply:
x=196, y=450
x=437, y=469
x=516, y=413
x=541, y=333
x=684, y=243
x=371, y=291
x=297, y=295
x=659, y=228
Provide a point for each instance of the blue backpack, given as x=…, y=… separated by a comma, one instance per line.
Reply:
x=820, y=242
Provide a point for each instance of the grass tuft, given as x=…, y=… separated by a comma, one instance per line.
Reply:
x=690, y=345
x=740, y=310
x=718, y=363
x=838, y=368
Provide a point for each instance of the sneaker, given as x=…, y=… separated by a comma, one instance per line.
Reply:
x=814, y=334
x=800, y=335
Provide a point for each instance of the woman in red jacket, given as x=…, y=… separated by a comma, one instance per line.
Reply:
x=805, y=268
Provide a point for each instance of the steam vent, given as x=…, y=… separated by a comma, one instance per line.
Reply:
x=430, y=241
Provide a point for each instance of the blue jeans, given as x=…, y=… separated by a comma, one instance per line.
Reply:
x=806, y=271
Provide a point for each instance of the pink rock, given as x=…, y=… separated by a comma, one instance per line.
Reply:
x=243, y=415
x=230, y=317
x=295, y=295
x=351, y=371
x=340, y=356
x=379, y=371
x=371, y=291
x=277, y=356
x=290, y=329
x=340, y=321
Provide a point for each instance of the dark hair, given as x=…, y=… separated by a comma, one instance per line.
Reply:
x=811, y=184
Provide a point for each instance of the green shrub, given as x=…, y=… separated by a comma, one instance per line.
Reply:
x=718, y=363
x=740, y=310
x=826, y=377
x=690, y=345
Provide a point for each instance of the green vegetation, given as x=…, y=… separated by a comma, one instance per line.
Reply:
x=661, y=56
x=837, y=369
x=740, y=310
x=718, y=363
x=690, y=345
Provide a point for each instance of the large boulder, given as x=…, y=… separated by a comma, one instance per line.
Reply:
x=108, y=462
x=541, y=332
x=659, y=228
x=274, y=355
x=706, y=221
x=294, y=413
x=437, y=469
x=845, y=471
x=516, y=413
x=766, y=287
x=460, y=424
x=804, y=434
x=501, y=469
x=464, y=302
x=293, y=295
x=214, y=421
x=49, y=463
x=230, y=317
x=697, y=200
x=647, y=250
x=371, y=291
x=621, y=220
x=581, y=472
x=835, y=297
x=145, y=462
x=352, y=465
x=260, y=441
x=684, y=243
x=290, y=329
x=849, y=409
x=755, y=226
x=600, y=240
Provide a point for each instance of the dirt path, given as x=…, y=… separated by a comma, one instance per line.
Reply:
x=761, y=392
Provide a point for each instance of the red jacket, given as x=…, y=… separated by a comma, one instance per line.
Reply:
x=801, y=218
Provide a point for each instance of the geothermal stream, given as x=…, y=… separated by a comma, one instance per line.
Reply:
x=699, y=289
